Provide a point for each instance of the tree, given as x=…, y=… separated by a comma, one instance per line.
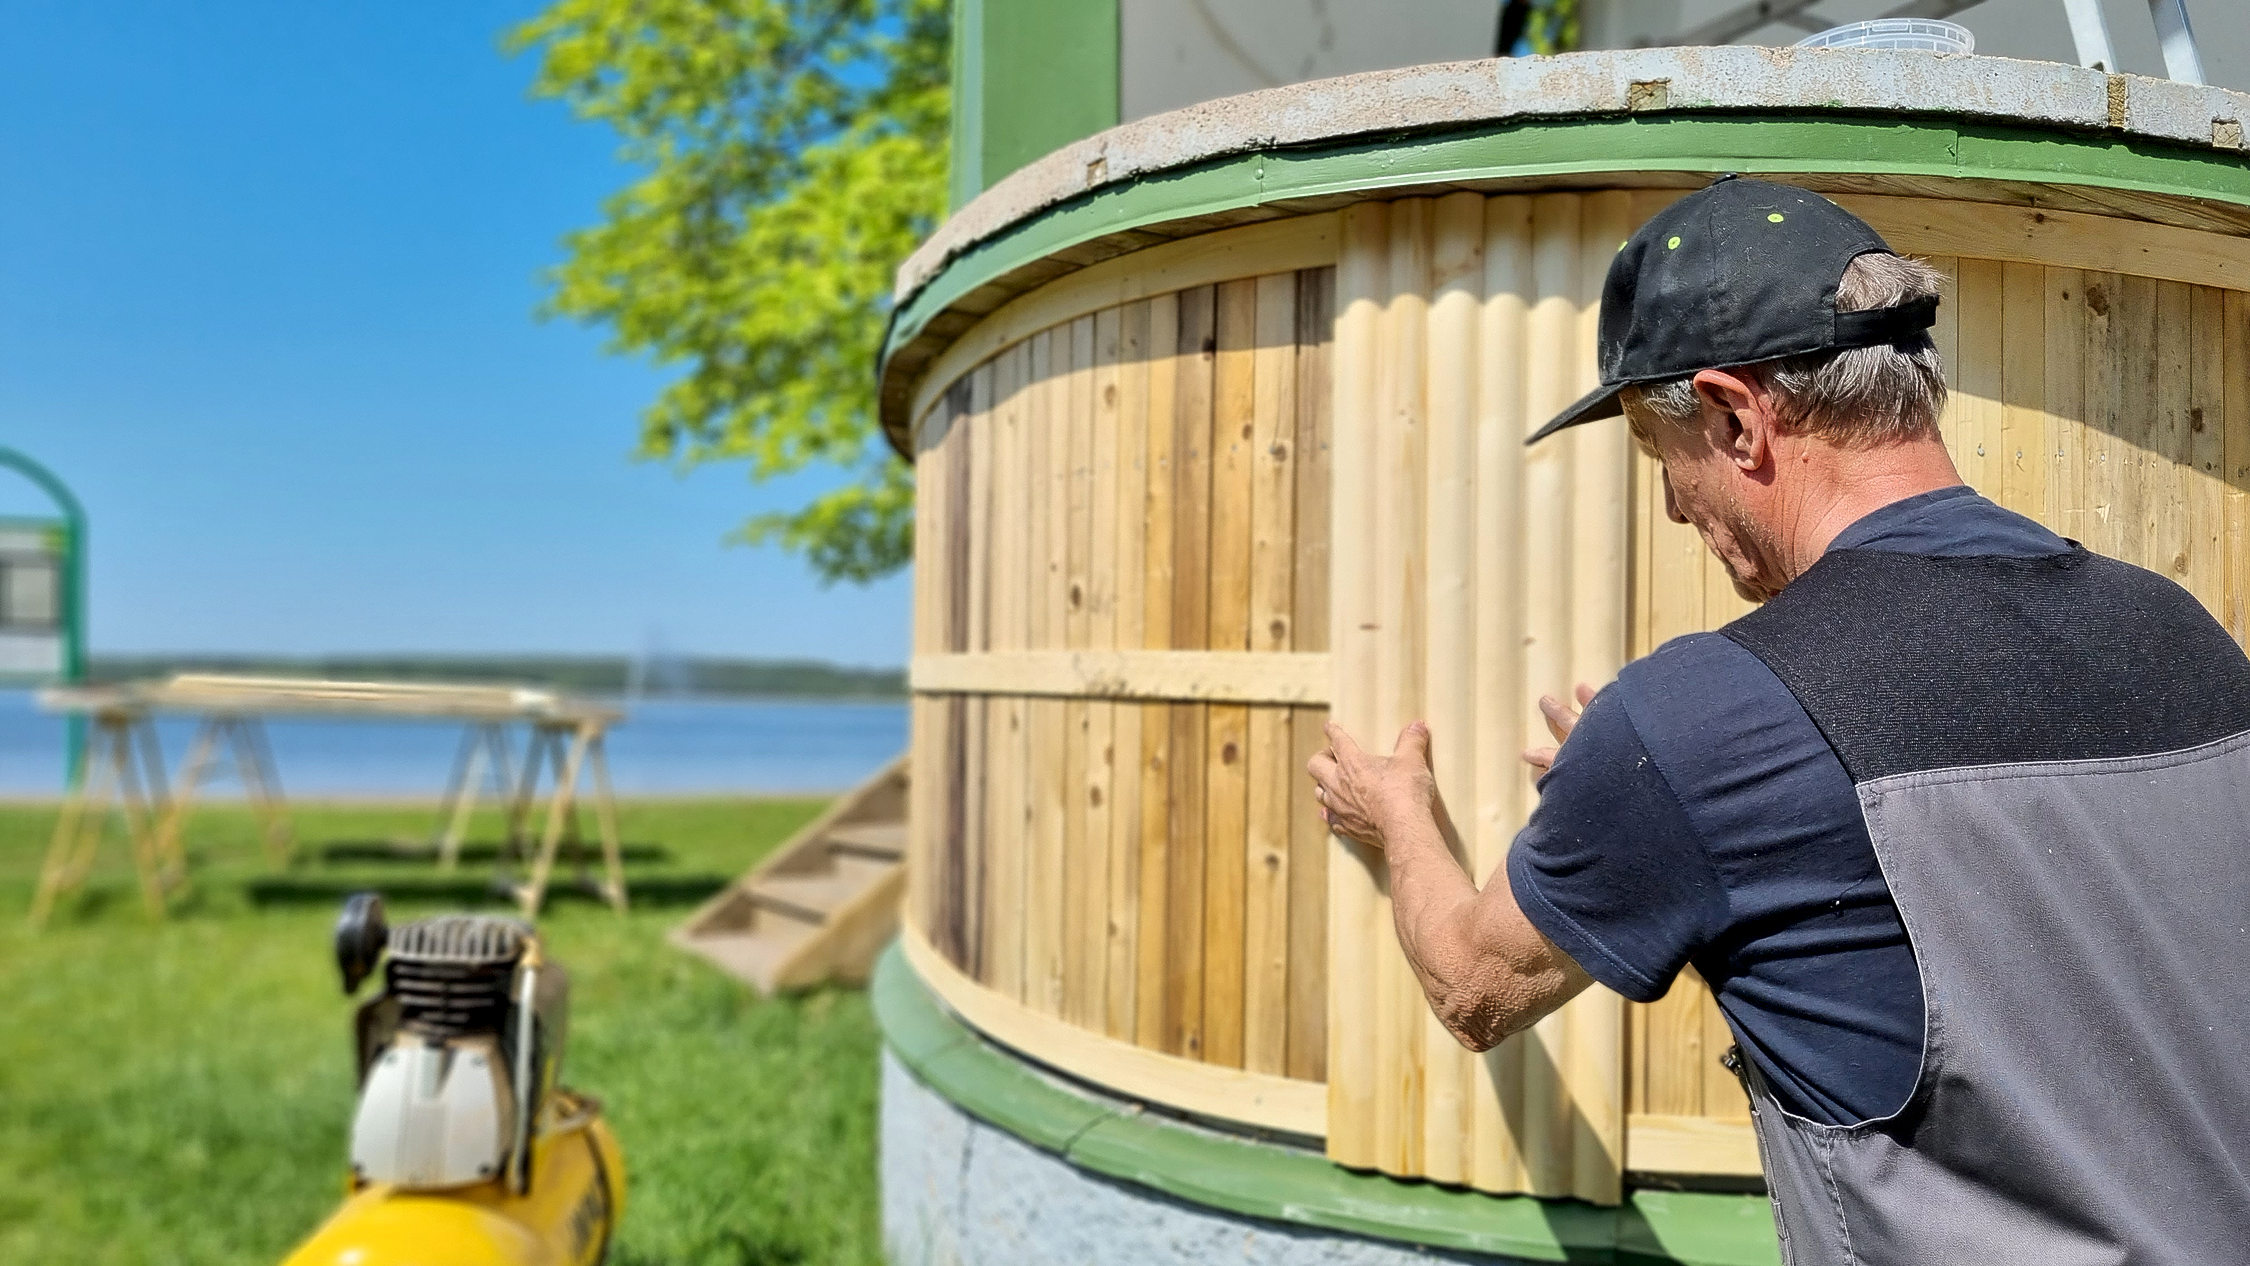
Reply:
x=792, y=151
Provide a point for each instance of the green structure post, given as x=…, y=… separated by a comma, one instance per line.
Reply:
x=73, y=597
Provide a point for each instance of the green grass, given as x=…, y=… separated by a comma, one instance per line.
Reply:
x=179, y=1092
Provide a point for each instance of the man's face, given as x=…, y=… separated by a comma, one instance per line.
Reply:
x=1705, y=485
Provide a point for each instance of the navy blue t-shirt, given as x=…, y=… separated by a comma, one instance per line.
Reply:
x=1696, y=816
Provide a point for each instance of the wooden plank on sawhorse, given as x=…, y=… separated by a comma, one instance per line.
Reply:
x=571, y=750
x=121, y=761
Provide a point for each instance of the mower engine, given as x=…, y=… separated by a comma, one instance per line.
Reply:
x=464, y=1148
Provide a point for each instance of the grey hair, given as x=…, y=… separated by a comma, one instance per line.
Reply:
x=1857, y=396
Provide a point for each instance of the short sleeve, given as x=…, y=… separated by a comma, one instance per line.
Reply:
x=1609, y=866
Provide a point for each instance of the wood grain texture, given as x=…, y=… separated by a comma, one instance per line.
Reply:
x=1191, y=620
x=1270, y=756
x=1362, y=269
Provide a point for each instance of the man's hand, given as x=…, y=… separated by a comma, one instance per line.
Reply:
x=1360, y=795
x=1562, y=718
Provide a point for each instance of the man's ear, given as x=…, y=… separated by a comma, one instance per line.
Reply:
x=1736, y=416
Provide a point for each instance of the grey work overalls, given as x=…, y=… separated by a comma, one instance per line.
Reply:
x=2053, y=757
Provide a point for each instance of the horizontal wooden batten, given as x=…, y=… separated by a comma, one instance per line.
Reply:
x=1656, y=1143
x=1276, y=246
x=1227, y=1094
x=2059, y=239
x=1187, y=676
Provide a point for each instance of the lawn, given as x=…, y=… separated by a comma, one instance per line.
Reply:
x=179, y=1092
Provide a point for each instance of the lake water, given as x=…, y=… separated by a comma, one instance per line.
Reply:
x=664, y=747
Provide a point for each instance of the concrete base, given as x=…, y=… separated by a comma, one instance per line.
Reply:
x=957, y=1192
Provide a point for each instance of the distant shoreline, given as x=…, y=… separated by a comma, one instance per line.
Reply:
x=681, y=677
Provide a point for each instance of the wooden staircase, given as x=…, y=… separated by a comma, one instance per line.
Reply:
x=820, y=907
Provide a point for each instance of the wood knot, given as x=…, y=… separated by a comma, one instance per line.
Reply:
x=2180, y=563
x=1279, y=629
x=1229, y=753
x=1094, y=796
x=2195, y=420
x=2097, y=299
x=1109, y=393
x=1077, y=595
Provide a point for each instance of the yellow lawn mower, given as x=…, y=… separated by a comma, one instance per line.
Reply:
x=466, y=1151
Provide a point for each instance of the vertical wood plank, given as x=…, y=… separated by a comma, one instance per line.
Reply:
x=1975, y=439
x=2165, y=467
x=1004, y=921
x=1400, y=1011
x=1551, y=360
x=1501, y=789
x=1226, y=775
x=973, y=537
x=1048, y=420
x=1594, y=1022
x=2236, y=463
x=1362, y=266
x=2204, y=471
x=1449, y=595
x=1096, y=803
x=1270, y=752
x=2023, y=389
x=1128, y=790
x=1150, y=990
x=2064, y=326
x=1308, y=836
x=2108, y=413
x=1191, y=620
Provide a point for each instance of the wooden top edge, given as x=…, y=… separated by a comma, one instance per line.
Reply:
x=1781, y=81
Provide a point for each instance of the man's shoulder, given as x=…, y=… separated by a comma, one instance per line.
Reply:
x=1698, y=701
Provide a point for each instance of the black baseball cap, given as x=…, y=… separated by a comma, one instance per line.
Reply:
x=1738, y=272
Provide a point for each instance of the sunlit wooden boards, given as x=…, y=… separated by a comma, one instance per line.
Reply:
x=1470, y=576
x=1120, y=620
x=1167, y=522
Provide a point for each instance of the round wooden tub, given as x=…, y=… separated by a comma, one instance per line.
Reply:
x=1218, y=418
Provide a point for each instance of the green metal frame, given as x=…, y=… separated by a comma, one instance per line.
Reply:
x=1029, y=76
x=1684, y=142
x=73, y=594
x=1284, y=1184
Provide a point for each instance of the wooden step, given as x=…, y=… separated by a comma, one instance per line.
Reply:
x=813, y=894
x=819, y=908
x=874, y=839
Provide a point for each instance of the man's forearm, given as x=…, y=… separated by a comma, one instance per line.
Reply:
x=1433, y=903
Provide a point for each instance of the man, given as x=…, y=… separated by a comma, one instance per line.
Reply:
x=1953, y=824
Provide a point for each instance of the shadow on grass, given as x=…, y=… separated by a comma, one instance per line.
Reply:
x=288, y=890
x=334, y=852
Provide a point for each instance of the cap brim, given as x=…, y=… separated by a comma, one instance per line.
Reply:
x=1595, y=405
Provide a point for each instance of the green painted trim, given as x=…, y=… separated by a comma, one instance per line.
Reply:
x=1284, y=1184
x=1682, y=142
x=73, y=598
x=1030, y=77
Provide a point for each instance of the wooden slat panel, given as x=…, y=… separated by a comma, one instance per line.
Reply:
x=1226, y=775
x=2203, y=468
x=1501, y=791
x=2106, y=413
x=2024, y=466
x=1550, y=361
x=2236, y=445
x=1271, y=756
x=1150, y=957
x=1593, y=1072
x=1400, y=1009
x=2064, y=389
x=1353, y=914
x=1449, y=595
x=1048, y=420
x=1121, y=994
x=1093, y=545
x=2167, y=467
x=1973, y=420
x=1008, y=740
x=1191, y=606
x=1308, y=836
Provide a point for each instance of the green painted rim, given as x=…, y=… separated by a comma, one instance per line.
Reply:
x=1286, y=1185
x=1684, y=142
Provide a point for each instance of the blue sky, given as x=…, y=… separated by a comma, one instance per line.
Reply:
x=267, y=281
